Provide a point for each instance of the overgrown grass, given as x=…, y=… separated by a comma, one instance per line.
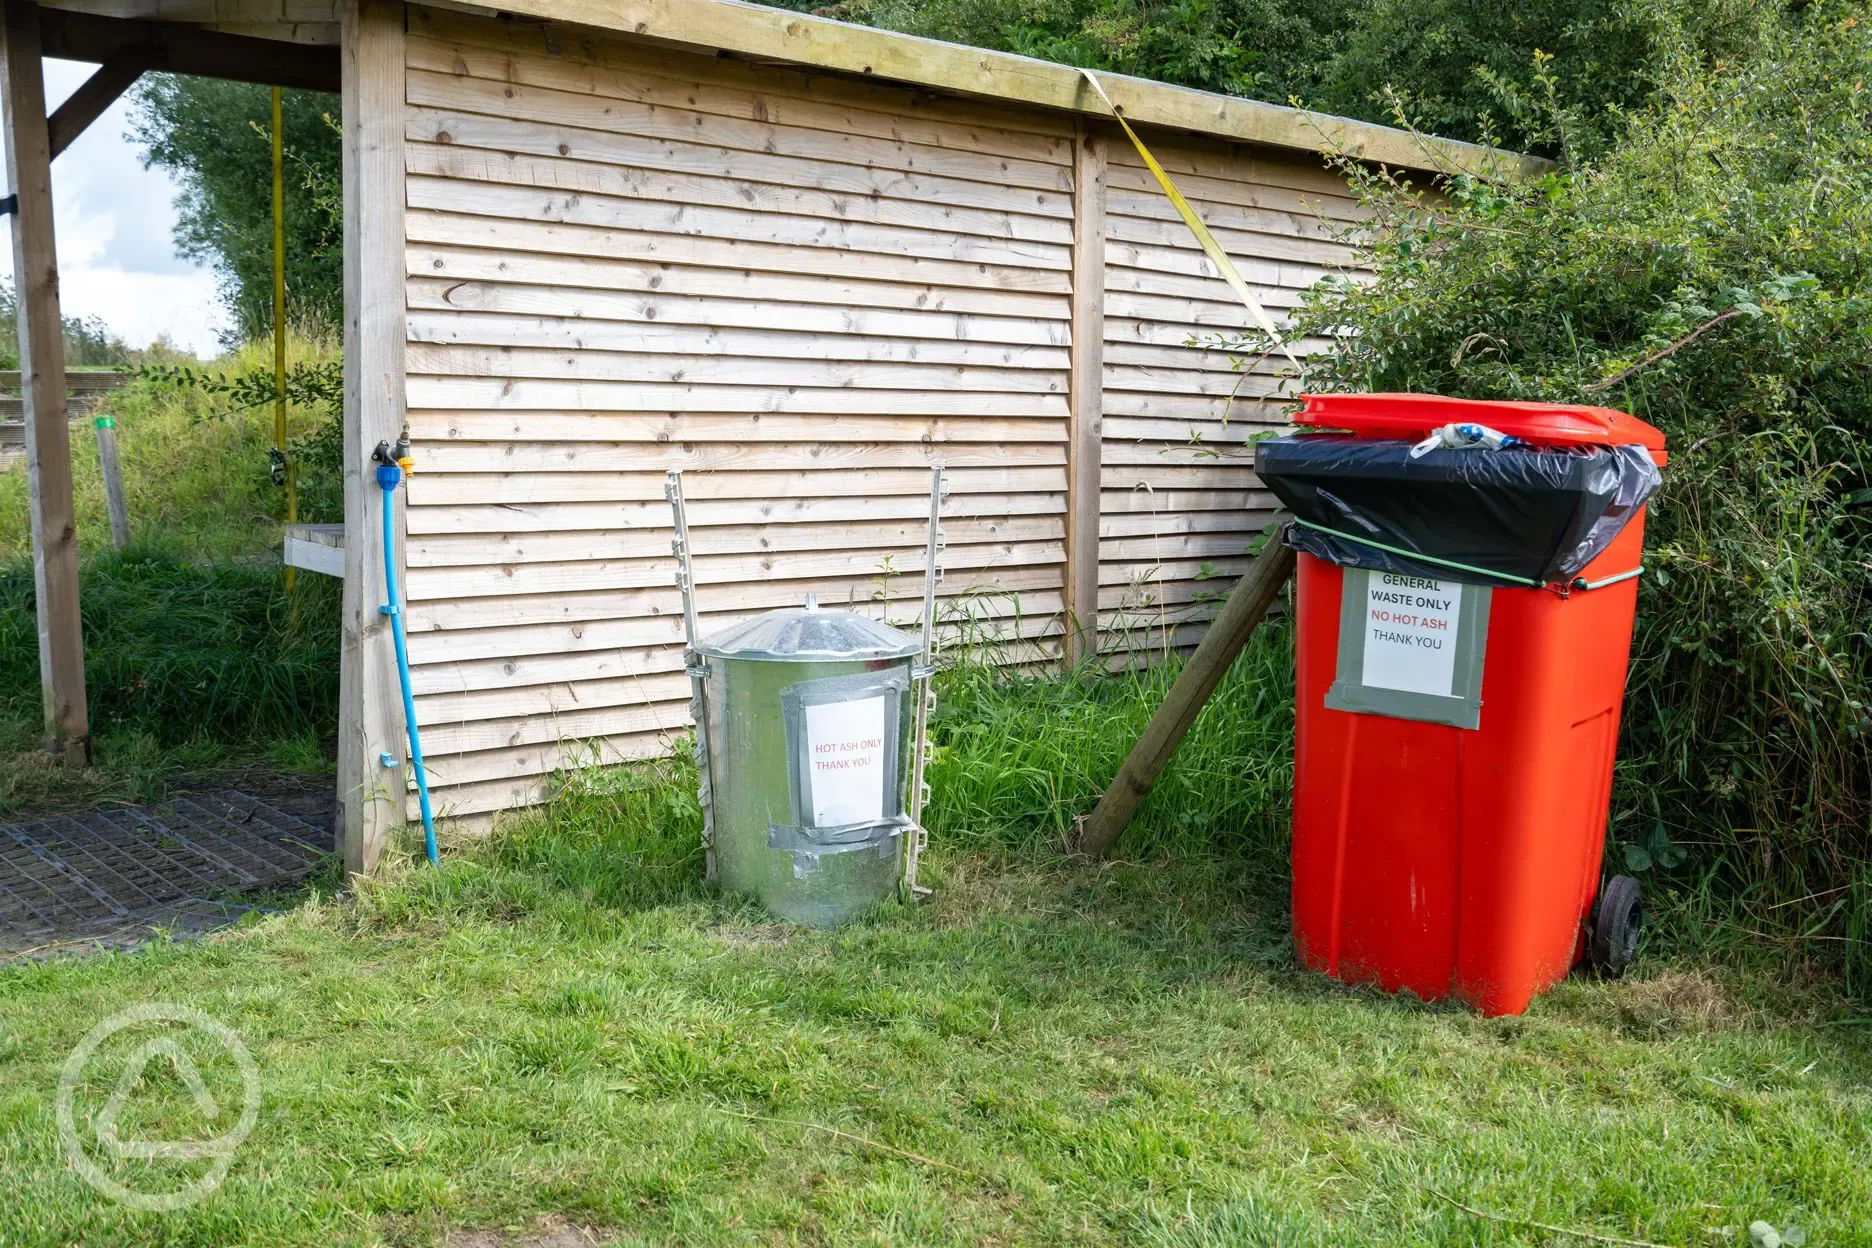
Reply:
x=189, y=668
x=564, y=1020
x=194, y=468
x=1019, y=759
x=185, y=651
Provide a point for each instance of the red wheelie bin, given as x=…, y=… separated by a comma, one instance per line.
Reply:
x=1464, y=624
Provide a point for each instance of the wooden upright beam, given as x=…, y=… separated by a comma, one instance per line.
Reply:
x=370, y=710
x=1240, y=615
x=95, y=94
x=42, y=385
x=1086, y=394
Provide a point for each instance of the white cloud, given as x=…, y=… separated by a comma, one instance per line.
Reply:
x=113, y=220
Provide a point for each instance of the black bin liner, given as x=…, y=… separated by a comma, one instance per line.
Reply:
x=1515, y=517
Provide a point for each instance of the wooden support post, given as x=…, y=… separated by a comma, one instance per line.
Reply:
x=111, y=470
x=1086, y=390
x=370, y=711
x=1243, y=611
x=42, y=385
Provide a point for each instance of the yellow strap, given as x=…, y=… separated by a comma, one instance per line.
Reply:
x=1210, y=247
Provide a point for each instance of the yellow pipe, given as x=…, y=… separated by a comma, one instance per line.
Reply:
x=279, y=324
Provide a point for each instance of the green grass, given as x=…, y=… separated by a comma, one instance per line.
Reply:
x=190, y=669
x=564, y=1020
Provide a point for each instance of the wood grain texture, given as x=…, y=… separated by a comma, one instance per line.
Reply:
x=1086, y=393
x=621, y=260
x=803, y=290
x=42, y=385
x=772, y=34
x=370, y=715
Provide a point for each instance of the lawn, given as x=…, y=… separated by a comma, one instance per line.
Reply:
x=564, y=1021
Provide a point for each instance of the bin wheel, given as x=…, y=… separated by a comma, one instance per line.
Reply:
x=1617, y=920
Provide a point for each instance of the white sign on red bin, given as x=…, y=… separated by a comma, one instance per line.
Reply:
x=1410, y=633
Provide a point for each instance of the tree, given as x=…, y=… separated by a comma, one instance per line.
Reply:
x=1465, y=69
x=215, y=137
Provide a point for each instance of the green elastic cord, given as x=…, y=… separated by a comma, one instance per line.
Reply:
x=1411, y=554
x=105, y=422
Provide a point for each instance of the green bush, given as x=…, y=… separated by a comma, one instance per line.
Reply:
x=1709, y=274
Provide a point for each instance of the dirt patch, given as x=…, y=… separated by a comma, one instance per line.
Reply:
x=1677, y=1001
x=548, y=1232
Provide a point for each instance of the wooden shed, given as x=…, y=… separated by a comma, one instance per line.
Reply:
x=587, y=241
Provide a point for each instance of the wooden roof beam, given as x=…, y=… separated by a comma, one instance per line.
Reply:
x=182, y=49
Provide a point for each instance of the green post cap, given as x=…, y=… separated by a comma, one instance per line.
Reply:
x=105, y=422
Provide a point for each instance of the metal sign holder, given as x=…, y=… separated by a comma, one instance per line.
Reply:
x=922, y=673
x=693, y=663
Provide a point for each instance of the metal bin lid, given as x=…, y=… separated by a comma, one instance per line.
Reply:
x=812, y=634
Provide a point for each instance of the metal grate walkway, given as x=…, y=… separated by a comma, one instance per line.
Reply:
x=89, y=876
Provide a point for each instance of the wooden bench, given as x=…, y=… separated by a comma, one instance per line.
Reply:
x=316, y=548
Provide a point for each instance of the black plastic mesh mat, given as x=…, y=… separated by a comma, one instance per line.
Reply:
x=85, y=874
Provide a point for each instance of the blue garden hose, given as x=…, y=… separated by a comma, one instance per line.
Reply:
x=389, y=476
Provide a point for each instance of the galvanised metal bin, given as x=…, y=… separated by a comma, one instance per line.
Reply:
x=808, y=722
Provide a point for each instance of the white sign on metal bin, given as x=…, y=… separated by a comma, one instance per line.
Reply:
x=845, y=751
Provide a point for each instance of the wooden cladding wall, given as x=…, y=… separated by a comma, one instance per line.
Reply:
x=1180, y=503
x=804, y=291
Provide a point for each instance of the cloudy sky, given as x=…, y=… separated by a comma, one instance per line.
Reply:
x=113, y=220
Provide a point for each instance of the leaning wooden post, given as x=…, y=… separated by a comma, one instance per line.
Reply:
x=42, y=386
x=112, y=472
x=1243, y=611
x=371, y=741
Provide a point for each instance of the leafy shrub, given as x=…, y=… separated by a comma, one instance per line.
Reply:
x=1708, y=274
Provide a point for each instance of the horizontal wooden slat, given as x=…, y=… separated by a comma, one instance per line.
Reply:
x=820, y=147
x=444, y=226
x=556, y=518
x=473, y=46
x=480, y=549
x=1168, y=500
x=552, y=158
x=1240, y=518
x=449, y=772
x=576, y=487
x=471, y=389
x=957, y=613
x=613, y=457
x=502, y=580
x=658, y=224
x=593, y=363
x=461, y=613
x=857, y=315
x=746, y=428
x=669, y=716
